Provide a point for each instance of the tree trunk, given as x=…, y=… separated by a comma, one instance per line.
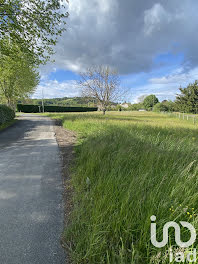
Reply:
x=8, y=102
x=11, y=104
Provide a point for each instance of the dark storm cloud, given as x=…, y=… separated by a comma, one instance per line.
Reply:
x=127, y=34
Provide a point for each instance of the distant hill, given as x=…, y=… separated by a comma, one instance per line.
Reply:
x=65, y=101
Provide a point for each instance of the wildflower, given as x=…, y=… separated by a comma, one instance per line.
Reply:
x=88, y=181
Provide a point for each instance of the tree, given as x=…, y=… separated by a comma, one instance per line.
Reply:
x=150, y=101
x=187, y=101
x=136, y=107
x=34, y=25
x=141, y=98
x=171, y=106
x=160, y=107
x=164, y=106
x=18, y=77
x=101, y=83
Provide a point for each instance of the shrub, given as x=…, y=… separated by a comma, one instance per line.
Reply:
x=160, y=107
x=35, y=109
x=136, y=107
x=6, y=114
x=165, y=106
x=172, y=107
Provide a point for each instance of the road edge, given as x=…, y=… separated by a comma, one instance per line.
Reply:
x=66, y=140
x=8, y=125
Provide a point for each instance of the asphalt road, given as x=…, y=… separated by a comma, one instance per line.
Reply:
x=31, y=206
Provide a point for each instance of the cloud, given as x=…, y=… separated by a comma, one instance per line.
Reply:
x=127, y=35
x=155, y=18
x=166, y=87
x=178, y=77
x=162, y=91
x=55, y=89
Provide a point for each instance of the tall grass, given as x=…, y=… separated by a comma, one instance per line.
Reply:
x=130, y=166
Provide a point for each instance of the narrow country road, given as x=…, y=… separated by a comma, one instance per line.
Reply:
x=31, y=207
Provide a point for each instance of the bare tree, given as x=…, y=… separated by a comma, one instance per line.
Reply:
x=101, y=83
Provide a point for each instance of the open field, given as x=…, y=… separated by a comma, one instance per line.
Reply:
x=130, y=166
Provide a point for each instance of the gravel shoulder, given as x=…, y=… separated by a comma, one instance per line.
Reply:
x=66, y=140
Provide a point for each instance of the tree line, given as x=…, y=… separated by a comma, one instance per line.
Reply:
x=103, y=84
x=186, y=101
x=64, y=101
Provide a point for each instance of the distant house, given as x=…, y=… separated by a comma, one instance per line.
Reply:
x=99, y=106
x=125, y=105
x=142, y=110
x=111, y=106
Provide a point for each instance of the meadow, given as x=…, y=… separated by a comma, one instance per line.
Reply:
x=128, y=167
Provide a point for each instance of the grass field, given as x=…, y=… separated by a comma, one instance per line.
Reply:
x=130, y=166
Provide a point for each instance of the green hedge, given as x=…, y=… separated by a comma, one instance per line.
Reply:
x=6, y=114
x=35, y=109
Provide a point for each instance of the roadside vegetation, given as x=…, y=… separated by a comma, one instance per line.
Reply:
x=28, y=44
x=7, y=124
x=7, y=116
x=129, y=166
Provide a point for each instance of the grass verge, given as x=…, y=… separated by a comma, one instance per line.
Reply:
x=7, y=124
x=130, y=166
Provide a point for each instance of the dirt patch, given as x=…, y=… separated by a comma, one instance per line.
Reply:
x=66, y=140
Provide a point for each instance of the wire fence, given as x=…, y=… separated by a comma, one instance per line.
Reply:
x=183, y=116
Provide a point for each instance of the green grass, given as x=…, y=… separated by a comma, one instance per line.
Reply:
x=129, y=166
x=7, y=124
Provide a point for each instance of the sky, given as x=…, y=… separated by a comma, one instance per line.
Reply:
x=152, y=44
